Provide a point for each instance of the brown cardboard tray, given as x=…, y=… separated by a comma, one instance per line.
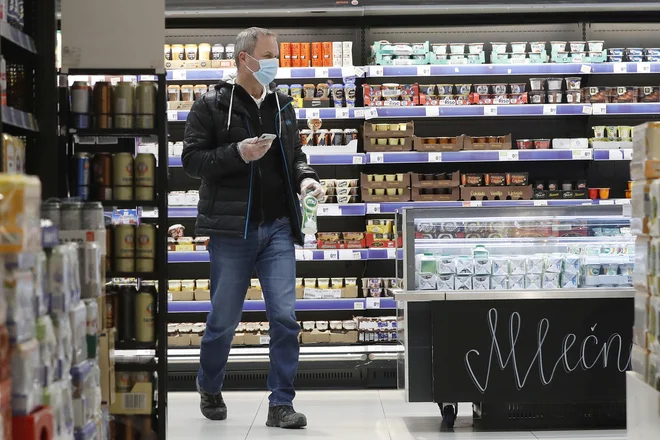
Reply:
x=497, y=192
x=365, y=183
x=369, y=130
x=366, y=197
x=454, y=182
x=419, y=145
x=372, y=148
x=469, y=145
x=451, y=197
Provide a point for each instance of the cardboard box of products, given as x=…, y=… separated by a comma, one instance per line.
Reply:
x=239, y=339
x=497, y=192
x=434, y=145
x=178, y=341
x=137, y=401
x=107, y=365
x=184, y=295
x=453, y=181
x=468, y=143
x=202, y=295
x=254, y=294
x=452, y=194
x=368, y=197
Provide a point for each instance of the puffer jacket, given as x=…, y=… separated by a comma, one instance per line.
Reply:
x=210, y=153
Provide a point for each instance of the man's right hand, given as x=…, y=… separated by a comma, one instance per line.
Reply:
x=253, y=149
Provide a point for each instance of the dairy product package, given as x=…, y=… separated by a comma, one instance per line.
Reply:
x=500, y=266
x=534, y=264
x=571, y=264
x=481, y=282
x=642, y=308
x=446, y=265
x=47, y=350
x=654, y=324
x=78, y=321
x=532, y=281
x=25, y=383
x=426, y=281
x=425, y=263
x=569, y=280
x=19, y=288
x=499, y=282
x=64, y=351
x=446, y=282
x=517, y=265
x=483, y=266
x=553, y=263
x=610, y=269
x=550, y=280
x=463, y=282
x=464, y=266
x=516, y=282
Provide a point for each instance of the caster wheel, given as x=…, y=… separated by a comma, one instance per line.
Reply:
x=449, y=416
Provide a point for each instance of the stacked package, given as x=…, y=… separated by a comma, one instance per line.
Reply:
x=645, y=172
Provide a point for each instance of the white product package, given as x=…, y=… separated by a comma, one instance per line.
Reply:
x=517, y=265
x=25, y=383
x=553, y=263
x=481, y=282
x=533, y=281
x=446, y=282
x=92, y=332
x=569, y=280
x=48, y=350
x=499, y=282
x=483, y=266
x=78, y=318
x=446, y=265
x=464, y=266
x=572, y=264
x=64, y=351
x=463, y=282
x=516, y=282
x=500, y=266
x=426, y=281
x=59, y=281
x=550, y=280
x=42, y=300
x=534, y=264
x=19, y=289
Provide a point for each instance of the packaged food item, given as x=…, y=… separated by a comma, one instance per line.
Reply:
x=499, y=282
x=517, y=179
x=532, y=281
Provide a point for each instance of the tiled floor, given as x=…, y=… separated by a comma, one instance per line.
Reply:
x=346, y=415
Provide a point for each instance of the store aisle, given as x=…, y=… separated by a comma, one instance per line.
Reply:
x=359, y=414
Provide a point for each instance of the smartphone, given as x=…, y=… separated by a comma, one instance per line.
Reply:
x=267, y=137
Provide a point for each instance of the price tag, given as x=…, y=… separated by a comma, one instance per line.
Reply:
x=586, y=68
x=432, y=111
x=424, y=70
x=264, y=340
x=322, y=72
x=169, y=296
x=358, y=160
x=357, y=255
x=172, y=115
x=149, y=213
x=313, y=113
x=585, y=154
x=329, y=210
x=643, y=67
x=391, y=254
x=114, y=81
x=304, y=255
x=297, y=113
x=619, y=68
x=622, y=201
x=490, y=110
x=376, y=71
x=540, y=203
x=509, y=155
x=373, y=208
x=599, y=109
x=143, y=78
x=606, y=202
x=341, y=113
x=550, y=110
x=373, y=303
x=330, y=255
x=178, y=74
x=435, y=157
x=472, y=203
x=586, y=109
x=357, y=71
x=627, y=153
x=376, y=158
x=284, y=73
x=359, y=113
x=358, y=305
x=370, y=113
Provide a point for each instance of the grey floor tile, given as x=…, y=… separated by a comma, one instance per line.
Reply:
x=339, y=431
x=615, y=434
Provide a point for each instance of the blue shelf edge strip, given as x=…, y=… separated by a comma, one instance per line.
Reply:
x=302, y=255
x=301, y=304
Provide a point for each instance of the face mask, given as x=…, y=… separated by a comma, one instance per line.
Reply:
x=267, y=70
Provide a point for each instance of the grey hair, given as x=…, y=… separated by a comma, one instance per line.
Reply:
x=246, y=40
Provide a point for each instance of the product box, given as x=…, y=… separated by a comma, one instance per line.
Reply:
x=316, y=102
x=373, y=241
x=178, y=340
x=381, y=144
x=366, y=183
x=107, y=365
x=184, y=295
x=202, y=295
x=434, y=144
x=179, y=105
x=497, y=192
x=239, y=339
x=138, y=401
x=368, y=197
x=469, y=144
x=425, y=195
x=349, y=292
x=453, y=181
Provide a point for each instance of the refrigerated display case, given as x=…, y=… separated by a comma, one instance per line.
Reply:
x=527, y=313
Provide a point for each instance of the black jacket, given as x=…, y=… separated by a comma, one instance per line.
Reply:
x=210, y=153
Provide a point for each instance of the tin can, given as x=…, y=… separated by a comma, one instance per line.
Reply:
x=123, y=382
x=51, y=211
x=145, y=121
x=124, y=237
x=124, y=265
x=204, y=51
x=145, y=308
x=82, y=167
x=122, y=169
x=102, y=169
x=111, y=306
x=103, y=104
x=350, y=134
x=122, y=193
x=168, y=52
x=145, y=245
x=191, y=52
x=144, y=193
x=92, y=216
x=145, y=265
x=123, y=100
x=178, y=52
x=145, y=167
x=82, y=192
x=80, y=93
x=217, y=52
x=71, y=216
x=89, y=264
x=145, y=98
x=306, y=137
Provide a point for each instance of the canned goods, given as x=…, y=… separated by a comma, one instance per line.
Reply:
x=124, y=265
x=123, y=381
x=144, y=193
x=122, y=193
x=102, y=169
x=92, y=216
x=145, y=166
x=146, y=241
x=82, y=167
x=123, y=99
x=145, y=98
x=103, y=193
x=51, y=211
x=103, y=104
x=80, y=98
x=145, y=308
x=124, y=241
x=122, y=170
x=71, y=216
x=89, y=263
x=144, y=265
x=145, y=121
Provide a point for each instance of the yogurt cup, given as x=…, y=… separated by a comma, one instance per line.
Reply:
x=518, y=55
x=482, y=89
x=474, y=57
x=476, y=48
x=595, y=45
x=457, y=57
x=520, y=46
x=537, y=46
x=573, y=83
x=554, y=84
x=617, y=51
x=615, y=58
x=652, y=51
x=577, y=46
x=439, y=48
x=573, y=96
x=610, y=269
x=445, y=89
x=518, y=88
x=599, y=131
x=499, y=47
x=592, y=270
x=457, y=48
x=463, y=89
x=635, y=51
x=558, y=46
x=499, y=89
x=636, y=58
x=536, y=84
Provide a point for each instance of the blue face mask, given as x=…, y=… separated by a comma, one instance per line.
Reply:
x=267, y=70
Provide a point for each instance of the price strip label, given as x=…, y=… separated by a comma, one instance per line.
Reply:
x=370, y=113
x=586, y=68
x=424, y=70
x=540, y=203
x=606, y=202
x=341, y=113
x=432, y=111
x=357, y=71
x=358, y=160
x=373, y=208
x=297, y=113
x=322, y=72
x=304, y=255
x=329, y=210
x=149, y=213
x=490, y=110
x=619, y=68
x=599, y=109
x=509, y=155
x=115, y=80
x=373, y=303
x=376, y=71
x=264, y=340
x=330, y=255
x=473, y=203
x=357, y=255
x=627, y=153
x=643, y=67
x=313, y=113
x=435, y=157
x=622, y=201
x=376, y=158
x=178, y=74
x=587, y=110
x=359, y=113
x=391, y=254
x=550, y=110
x=358, y=305
x=172, y=115
x=585, y=154
x=144, y=78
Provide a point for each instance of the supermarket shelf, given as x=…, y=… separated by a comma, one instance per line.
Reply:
x=641, y=108
x=479, y=156
x=623, y=154
x=392, y=207
x=282, y=73
x=324, y=210
x=19, y=119
x=19, y=38
x=302, y=255
x=114, y=132
x=314, y=159
x=301, y=305
x=129, y=204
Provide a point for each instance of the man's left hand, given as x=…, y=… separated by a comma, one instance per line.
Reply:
x=312, y=185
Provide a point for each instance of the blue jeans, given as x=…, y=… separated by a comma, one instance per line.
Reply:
x=268, y=249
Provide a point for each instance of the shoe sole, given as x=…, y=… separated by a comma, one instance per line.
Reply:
x=297, y=424
x=213, y=415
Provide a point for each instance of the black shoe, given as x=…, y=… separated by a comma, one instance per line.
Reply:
x=212, y=405
x=285, y=417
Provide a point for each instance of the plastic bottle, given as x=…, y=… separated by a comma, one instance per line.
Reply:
x=309, y=207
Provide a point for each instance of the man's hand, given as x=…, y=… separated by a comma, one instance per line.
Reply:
x=311, y=185
x=253, y=149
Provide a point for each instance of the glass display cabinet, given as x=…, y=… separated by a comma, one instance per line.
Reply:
x=525, y=312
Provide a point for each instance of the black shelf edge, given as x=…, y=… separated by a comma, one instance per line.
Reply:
x=135, y=367
x=19, y=119
x=113, y=71
x=142, y=275
x=132, y=345
x=114, y=132
x=19, y=38
x=130, y=204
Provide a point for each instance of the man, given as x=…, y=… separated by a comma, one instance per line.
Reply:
x=249, y=207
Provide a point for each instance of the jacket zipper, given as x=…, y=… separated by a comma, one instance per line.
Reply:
x=249, y=204
x=286, y=167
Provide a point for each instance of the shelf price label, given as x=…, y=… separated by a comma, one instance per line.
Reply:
x=178, y=74
x=330, y=255
x=304, y=255
x=341, y=113
x=622, y=201
x=313, y=113
x=359, y=113
x=473, y=203
x=606, y=202
x=584, y=154
x=424, y=70
x=490, y=110
x=619, y=68
x=432, y=111
x=373, y=208
x=358, y=160
x=376, y=71
x=550, y=109
x=435, y=157
x=509, y=155
x=172, y=115
x=376, y=158
x=540, y=203
x=585, y=68
x=391, y=254
x=322, y=72
x=264, y=340
x=643, y=67
x=373, y=303
x=358, y=305
x=599, y=109
x=586, y=109
x=329, y=210
x=370, y=113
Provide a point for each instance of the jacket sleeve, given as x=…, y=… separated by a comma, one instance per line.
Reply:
x=203, y=157
x=301, y=169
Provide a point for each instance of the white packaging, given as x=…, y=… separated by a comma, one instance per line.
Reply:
x=642, y=305
x=579, y=143
x=533, y=281
x=481, y=282
x=78, y=320
x=58, y=280
x=561, y=144
x=337, y=51
x=500, y=266
x=47, y=350
x=25, y=383
x=426, y=281
x=572, y=264
x=446, y=282
x=176, y=198
x=516, y=282
x=483, y=266
x=41, y=285
x=83, y=397
x=347, y=52
x=517, y=265
x=550, y=280
x=569, y=280
x=337, y=61
x=446, y=265
x=74, y=272
x=654, y=325
x=19, y=288
x=499, y=282
x=534, y=264
x=464, y=266
x=192, y=198
x=92, y=328
x=463, y=282
x=553, y=263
